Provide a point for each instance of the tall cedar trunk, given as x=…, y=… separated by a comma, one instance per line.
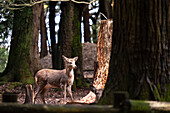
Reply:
x=76, y=44
x=86, y=24
x=140, y=50
x=34, y=53
x=52, y=34
x=23, y=55
x=105, y=8
x=65, y=38
x=43, y=32
x=70, y=36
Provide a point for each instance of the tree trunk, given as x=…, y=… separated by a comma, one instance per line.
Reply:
x=139, y=60
x=23, y=55
x=69, y=42
x=65, y=38
x=104, y=43
x=34, y=53
x=29, y=94
x=43, y=32
x=105, y=8
x=76, y=44
x=86, y=24
x=52, y=34
x=103, y=58
x=103, y=53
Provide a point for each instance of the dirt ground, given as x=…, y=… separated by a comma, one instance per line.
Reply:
x=53, y=96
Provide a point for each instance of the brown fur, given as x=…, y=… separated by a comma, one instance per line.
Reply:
x=47, y=78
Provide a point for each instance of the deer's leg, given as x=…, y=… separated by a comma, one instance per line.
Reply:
x=42, y=93
x=70, y=92
x=38, y=90
x=64, y=93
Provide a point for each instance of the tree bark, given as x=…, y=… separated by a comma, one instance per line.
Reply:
x=105, y=8
x=23, y=55
x=29, y=92
x=43, y=32
x=52, y=33
x=77, y=45
x=103, y=53
x=103, y=58
x=86, y=23
x=69, y=42
x=34, y=53
x=65, y=36
x=139, y=60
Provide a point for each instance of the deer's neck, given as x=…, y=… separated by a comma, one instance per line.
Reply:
x=69, y=72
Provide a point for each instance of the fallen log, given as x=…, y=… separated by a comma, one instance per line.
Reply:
x=141, y=105
x=136, y=106
x=121, y=101
x=30, y=108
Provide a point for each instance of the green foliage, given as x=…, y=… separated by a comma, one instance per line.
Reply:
x=28, y=79
x=79, y=83
x=3, y=58
x=6, y=23
x=166, y=95
x=3, y=82
x=14, y=84
x=96, y=29
x=139, y=105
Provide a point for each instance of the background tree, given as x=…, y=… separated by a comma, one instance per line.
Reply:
x=43, y=32
x=76, y=44
x=105, y=7
x=23, y=55
x=140, y=50
x=65, y=35
x=69, y=39
x=52, y=5
x=86, y=23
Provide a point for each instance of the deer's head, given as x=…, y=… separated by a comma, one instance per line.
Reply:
x=70, y=62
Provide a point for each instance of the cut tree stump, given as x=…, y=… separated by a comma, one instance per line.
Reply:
x=29, y=94
x=9, y=97
x=104, y=44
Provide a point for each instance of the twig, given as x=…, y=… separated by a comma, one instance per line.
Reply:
x=103, y=15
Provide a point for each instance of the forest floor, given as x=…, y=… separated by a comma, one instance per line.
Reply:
x=53, y=96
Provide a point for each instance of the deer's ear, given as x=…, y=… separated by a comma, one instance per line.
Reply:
x=75, y=58
x=64, y=58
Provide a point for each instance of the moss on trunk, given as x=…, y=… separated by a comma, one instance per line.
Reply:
x=76, y=44
x=69, y=43
x=19, y=66
x=139, y=61
x=65, y=38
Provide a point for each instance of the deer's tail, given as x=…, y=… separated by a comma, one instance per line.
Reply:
x=36, y=80
x=35, y=77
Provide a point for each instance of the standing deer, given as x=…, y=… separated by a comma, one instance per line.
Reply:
x=47, y=78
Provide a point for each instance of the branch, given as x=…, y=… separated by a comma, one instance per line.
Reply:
x=12, y=6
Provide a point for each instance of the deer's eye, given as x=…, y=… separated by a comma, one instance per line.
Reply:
x=69, y=62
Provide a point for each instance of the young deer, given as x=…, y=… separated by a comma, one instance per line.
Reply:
x=47, y=78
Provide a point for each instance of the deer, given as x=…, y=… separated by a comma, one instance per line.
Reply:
x=47, y=78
